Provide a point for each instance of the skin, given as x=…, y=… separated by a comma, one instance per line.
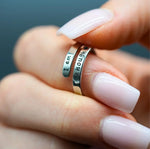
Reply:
x=38, y=103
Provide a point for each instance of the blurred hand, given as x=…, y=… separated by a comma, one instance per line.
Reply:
x=39, y=108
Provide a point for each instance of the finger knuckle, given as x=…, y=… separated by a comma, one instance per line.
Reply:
x=71, y=108
x=10, y=86
x=29, y=42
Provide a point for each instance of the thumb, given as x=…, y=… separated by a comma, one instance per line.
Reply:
x=117, y=23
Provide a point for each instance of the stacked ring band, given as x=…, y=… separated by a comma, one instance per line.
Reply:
x=69, y=59
x=77, y=72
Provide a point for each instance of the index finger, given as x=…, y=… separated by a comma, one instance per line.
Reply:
x=41, y=53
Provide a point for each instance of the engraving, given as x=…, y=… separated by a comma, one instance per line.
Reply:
x=67, y=62
x=77, y=68
x=79, y=64
x=80, y=59
x=66, y=69
x=76, y=76
x=82, y=54
x=68, y=59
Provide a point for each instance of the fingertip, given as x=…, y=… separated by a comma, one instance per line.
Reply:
x=123, y=133
x=125, y=23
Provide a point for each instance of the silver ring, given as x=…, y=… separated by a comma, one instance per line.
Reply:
x=77, y=73
x=69, y=59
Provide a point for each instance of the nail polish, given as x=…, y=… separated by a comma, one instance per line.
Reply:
x=124, y=134
x=115, y=92
x=85, y=23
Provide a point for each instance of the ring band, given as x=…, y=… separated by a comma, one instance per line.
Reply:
x=69, y=59
x=77, y=73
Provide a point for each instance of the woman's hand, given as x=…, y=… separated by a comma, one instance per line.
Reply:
x=118, y=23
x=18, y=138
x=35, y=99
x=41, y=99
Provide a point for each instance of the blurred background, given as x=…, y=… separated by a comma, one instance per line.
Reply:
x=16, y=16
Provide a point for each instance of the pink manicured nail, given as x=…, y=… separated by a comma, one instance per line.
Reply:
x=115, y=92
x=124, y=134
x=85, y=22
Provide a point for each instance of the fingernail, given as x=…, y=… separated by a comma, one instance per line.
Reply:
x=124, y=134
x=85, y=22
x=115, y=92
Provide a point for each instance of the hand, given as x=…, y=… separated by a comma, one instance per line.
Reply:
x=36, y=99
x=124, y=22
x=42, y=106
x=18, y=138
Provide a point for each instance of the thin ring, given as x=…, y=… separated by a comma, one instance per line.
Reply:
x=77, y=73
x=69, y=59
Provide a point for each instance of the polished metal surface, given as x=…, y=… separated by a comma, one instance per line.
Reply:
x=77, y=73
x=69, y=59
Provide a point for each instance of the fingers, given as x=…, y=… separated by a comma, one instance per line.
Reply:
x=28, y=139
x=28, y=103
x=137, y=71
x=117, y=23
x=41, y=53
x=125, y=128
